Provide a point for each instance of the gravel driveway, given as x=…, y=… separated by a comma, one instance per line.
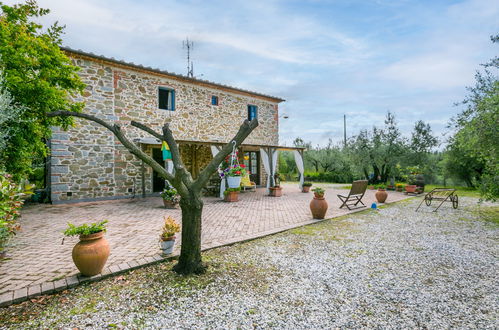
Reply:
x=391, y=269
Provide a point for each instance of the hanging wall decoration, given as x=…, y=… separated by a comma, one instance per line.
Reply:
x=167, y=154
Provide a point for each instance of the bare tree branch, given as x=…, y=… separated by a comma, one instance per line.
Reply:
x=147, y=129
x=116, y=130
x=246, y=128
x=180, y=169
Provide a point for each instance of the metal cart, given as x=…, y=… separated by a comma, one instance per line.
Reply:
x=442, y=195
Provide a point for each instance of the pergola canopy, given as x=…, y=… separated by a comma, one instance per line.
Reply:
x=269, y=156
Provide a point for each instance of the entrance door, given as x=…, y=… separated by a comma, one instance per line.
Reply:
x=158, y=183
x=252, y=163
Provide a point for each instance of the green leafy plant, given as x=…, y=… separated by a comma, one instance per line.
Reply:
x=40, y=79
x=380, y=186
x=399, y=185
x=170, y=194
x=237, y=170
x=85, y=229
x=319, y=191
x=12, y=197
x=228, y=190
x=307, y=184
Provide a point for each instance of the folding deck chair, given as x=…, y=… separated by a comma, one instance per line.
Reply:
x=355, y=195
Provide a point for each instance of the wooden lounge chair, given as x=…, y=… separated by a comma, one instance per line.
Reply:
x=247, y=184
x=355, y=195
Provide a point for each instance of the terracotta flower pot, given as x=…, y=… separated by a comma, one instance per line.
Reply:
x=275, y=191
x=169, y=204
x=305, y=189
x=318, y=206
x=167, y=244
x=410, y=188
x=232, y=196
x=381, y=195
x=371, y=187
x=90, y=253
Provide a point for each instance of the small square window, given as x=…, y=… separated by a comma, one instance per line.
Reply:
x=214, y=100
x=252, y=112
x=166, y=99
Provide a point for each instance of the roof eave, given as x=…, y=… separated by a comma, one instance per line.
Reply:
x=175, y=76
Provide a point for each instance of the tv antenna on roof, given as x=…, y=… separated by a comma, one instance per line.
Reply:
x=186, y=44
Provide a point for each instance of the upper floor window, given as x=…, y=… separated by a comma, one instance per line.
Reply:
x=214, y=100
x=166, y=98
x=252, y=112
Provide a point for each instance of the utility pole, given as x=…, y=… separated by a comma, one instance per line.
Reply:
x=345, y=130
x=190, y=66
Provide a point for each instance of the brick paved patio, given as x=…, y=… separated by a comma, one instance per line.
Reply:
x=37, y=256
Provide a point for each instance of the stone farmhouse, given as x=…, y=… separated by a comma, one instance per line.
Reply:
x=88, y=163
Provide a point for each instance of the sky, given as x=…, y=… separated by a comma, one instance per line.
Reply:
x=326, y=58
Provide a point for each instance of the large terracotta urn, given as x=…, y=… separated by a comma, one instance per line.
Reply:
x=381, y=195
x=90, y=253
x=318, y=206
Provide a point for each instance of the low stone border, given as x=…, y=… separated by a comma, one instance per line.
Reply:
x=23, y=294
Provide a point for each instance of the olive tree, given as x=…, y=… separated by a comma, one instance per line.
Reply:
x=188, y=188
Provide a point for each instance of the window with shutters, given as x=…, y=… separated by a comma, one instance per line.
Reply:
x=252, y=112
x=166, y=98
x=214, y=100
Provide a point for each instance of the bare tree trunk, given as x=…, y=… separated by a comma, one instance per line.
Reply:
x=190, y=256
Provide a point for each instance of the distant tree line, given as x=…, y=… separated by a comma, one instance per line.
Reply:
x=382, y=154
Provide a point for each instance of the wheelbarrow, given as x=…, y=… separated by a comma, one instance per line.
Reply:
x=440, y=195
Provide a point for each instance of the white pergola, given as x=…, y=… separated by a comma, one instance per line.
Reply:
x=269, y=155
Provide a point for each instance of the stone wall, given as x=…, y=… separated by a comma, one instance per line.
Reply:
x=89, y=163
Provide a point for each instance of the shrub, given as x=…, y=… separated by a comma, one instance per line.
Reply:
x=11, y=200
x=333, y=177
x=307, y=184
x=85, y=229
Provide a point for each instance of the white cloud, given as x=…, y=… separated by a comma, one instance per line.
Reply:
x=431, y=71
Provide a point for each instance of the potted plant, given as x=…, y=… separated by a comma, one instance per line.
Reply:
x=91, y=252
x=318, y=205
x=170, y=197
x=381, y=194
x=167, y=237
x=399, y=187
x=234, y=175
x=420, y=183
x=276, y=190
x=371, y=187
x=306, y=187
x=411, y=186
x=232, y=194
x=391, y=186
